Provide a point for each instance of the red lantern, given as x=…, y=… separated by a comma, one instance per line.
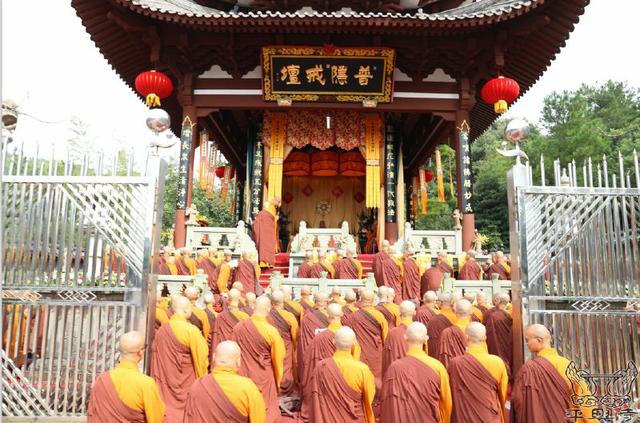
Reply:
x=428, y=175
x=220, y=172
x=500, y=92
x=153, y=86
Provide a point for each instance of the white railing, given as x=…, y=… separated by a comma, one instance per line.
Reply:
x=322, y=283
x=431, y=241
x=308, y=238
x=237, y=239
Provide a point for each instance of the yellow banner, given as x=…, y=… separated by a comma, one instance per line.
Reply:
x=373, y=141
x=204, y=159
x=276, y=154
x=439, y=177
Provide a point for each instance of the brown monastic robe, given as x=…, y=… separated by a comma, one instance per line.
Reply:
x=345, y=269
x=246, y=273
x=173, y=370
x=162, y=268
x=222, y=330
x=411, y=280
x=435, y=327
x=431, y=280
x=500, y=335
x=209, y=270
x=471, y=271
x=539, y=394
x=322, y=346
x=388, y=315
x=105, y=406
x=256, y=365
x=445, y=268
x=315, y=270
x=264, y=232
x=183, y=270
x=304, y=269
x=347, y=312
x=475, y=392
x=207, y=403
x=334, y=401
x=424, y=315
x=276, y=320
x=410, y=393
x=369, y=336
x=292, y=310
x=312, y=320
x=453, y=343
x=500, y=270
x=395, y=347
x=212, y=321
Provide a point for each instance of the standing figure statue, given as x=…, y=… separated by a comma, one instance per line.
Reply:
x=477, y=242
x=191, y=212
x=457, y=219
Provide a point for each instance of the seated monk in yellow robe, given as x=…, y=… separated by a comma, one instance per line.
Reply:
x=224, y=396
x=544, y=386
x=343, y=387
x=265, y=233
x=415, y=388
x=478, y=381
x=125, y=394
x=179, y=355
x=263, y=355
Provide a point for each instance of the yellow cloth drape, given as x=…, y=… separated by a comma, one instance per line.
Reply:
x=373, y=140
x=204, y=159
x=276, y=155
x=439, y=177
x=451, y=180
x=424, y=202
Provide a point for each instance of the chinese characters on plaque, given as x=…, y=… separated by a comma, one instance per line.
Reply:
x=390, y=175
x=183, y=169
x=256, y=178
x=312, y=74
x=465, y=168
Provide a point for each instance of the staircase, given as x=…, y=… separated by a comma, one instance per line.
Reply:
x=282, y=265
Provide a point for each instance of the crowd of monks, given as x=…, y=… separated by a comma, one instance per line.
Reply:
x=333, y=357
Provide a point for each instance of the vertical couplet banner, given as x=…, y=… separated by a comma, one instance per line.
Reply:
x=276, y=155
x=225, y=183
x=186, y=135
x=211, y=172
x=424, y=201
x=390, y=178
x=373, y=141
x=440, y=178
x=204, y=159
x=465, y=168
x=256, y=176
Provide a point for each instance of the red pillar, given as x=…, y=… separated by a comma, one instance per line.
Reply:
x=185, y=173
x=463, y=178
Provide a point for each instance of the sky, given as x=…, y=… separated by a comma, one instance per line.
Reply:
x=52, y=69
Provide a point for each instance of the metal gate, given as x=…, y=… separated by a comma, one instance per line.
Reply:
x=77, y=242
x=577, y=244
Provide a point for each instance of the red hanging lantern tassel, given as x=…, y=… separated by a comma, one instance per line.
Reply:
x=153, y=86
x=500, y=92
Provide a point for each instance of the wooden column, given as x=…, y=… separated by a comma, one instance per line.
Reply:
x=463, y=178
x=185, y=174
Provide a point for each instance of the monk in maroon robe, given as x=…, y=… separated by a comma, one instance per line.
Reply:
x=371, y=328
x=348, y=267
x=499, y=267
x=222, y=329
x=350, y=306
x=287, y=326
x=431, y=280
x=415, y=388
x=386, y=271
x=210, y=397
x=313, y=321
x=438, y=324
x=410, y=277
x=322, y=265
x=499, y=326
x=264, y=233
x=113, y=390
x=471, y=270
x=178, y=357
x=248, y=273
x=478, y=381
x=453, y=341
x=207, y=266
x=543, y=387
x=396, y=345
x=428, y=309
x=263, y=355
x=443, y=265
x=305, y=268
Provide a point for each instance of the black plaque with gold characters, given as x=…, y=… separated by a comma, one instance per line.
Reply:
x=328, y=73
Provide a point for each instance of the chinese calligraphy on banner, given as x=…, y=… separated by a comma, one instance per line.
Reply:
x=185, y=155
x=465, y=168
x=314, y=73
x=390, y=179
x=256, y=177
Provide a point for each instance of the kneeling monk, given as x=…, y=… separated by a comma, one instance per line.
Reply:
x=224, y=396
x=124, y=394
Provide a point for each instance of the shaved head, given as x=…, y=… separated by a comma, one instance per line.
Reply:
x=350, y=296
x=305, y=290
x=476, y=332
x=471, y=254
x=209, y=298
x=445, y=299
x=416, y=334
x=537, y=337
x=321, y=299
x=429, y=297
x=345, y=338
x=131, y=343
x=277, y=298
x=407, y=309
x=501, y=298
x=192, y=293
x=463, y=308
x=455, y=296
x=238, y=285
x=263, y=306
x=390, y=295
x=367, y=296
x=181, y=306
x=336, y=290
x=470, y=296
x=334, y=310
x=234, y=296
x=227, y=354
x=481, y=298
x=250, y=297
x=287, y=291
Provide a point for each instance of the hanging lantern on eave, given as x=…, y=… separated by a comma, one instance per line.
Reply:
x=500, y=92
x=428, y=175
x=220, y=172
x=154, y=86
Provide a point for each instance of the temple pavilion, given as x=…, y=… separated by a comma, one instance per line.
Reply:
x=331, y=106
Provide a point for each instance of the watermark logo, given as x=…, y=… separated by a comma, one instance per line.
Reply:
x=607, y=396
